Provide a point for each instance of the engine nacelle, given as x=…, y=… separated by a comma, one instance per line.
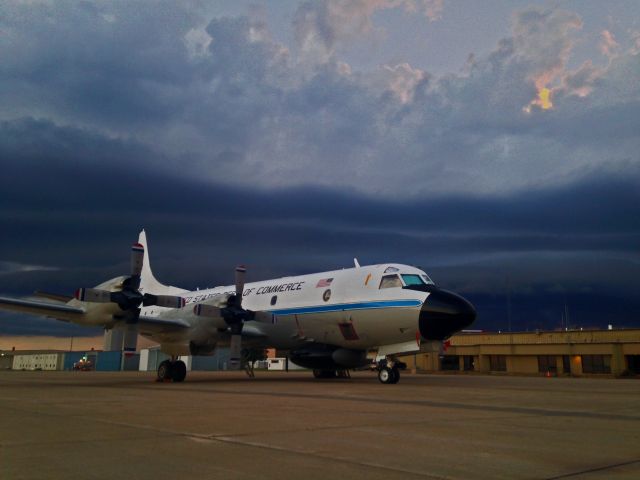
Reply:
x=328, y=357
x=206, y=349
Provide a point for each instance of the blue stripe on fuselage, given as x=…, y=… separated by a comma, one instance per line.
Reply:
x=348, y=306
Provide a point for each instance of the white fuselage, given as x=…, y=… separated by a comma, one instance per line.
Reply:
x=345, y=308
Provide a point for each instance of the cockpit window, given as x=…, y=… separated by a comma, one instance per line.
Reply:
x=390, y=281
x=412, y=280
x=427, y=279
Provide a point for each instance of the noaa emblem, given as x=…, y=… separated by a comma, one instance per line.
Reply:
x=326, y=295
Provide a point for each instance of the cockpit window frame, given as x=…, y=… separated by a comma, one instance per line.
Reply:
x=427, y=279
x=395, y=276
x=414, y=276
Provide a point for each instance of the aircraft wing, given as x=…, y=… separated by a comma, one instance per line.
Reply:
x=58, y=311
x=155, y=325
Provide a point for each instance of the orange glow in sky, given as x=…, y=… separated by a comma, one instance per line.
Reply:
x=544, y=101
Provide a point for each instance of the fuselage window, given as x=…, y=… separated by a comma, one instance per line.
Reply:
x=412, y=280
x=274, y=299
x=390, y=281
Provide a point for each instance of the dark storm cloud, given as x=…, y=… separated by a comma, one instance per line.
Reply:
x=231, y=147
x=46, y=159
x=50, y=163
x=61, y=213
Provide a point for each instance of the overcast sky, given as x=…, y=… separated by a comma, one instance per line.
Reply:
x=495, y=144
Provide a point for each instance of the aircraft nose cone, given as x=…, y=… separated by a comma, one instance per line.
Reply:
x=444, y=313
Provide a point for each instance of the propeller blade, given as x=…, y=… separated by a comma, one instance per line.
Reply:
x=137, y=258
x=93, y=295
x=235, y=352
x=167, y=301
x=130, y=338
x=203, y=310
x=240, y=274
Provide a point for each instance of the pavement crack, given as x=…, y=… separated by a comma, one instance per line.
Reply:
x=594, y=470
x=310, y=453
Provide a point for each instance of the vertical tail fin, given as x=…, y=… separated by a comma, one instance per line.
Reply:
x=148, y=282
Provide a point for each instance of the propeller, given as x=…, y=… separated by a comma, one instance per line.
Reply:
x=129, y=298
x=233, y=314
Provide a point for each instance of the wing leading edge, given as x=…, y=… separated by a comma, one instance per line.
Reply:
x=58, y=311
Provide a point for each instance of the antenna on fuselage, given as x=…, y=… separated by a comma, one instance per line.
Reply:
x=355, y=262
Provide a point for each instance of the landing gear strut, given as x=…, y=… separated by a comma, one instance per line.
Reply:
x=175, y=370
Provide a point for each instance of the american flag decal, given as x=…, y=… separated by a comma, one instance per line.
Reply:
x=325, y=282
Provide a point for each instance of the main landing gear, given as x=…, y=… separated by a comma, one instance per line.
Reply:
x=175, y=370
x=389, y=371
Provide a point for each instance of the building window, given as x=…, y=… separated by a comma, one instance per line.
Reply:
x=449, y=362
x=596, y=363
x=498, y=363
x=566, y=364
x=633, y=364
x=547, y=364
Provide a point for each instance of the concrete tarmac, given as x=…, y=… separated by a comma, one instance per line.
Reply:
x=105, y=425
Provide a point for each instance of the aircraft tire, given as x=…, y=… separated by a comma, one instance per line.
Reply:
x=396, y=375
x=386, y=376
x=178, y=371
x=164, y=371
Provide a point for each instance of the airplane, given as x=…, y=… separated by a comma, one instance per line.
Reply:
x=328, y=322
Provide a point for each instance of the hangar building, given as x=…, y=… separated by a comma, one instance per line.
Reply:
x=572, y=352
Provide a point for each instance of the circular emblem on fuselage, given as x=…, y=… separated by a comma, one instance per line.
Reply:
x=326, y=295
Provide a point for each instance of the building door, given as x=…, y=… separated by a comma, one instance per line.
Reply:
x=468, y=363
x=633, y=364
